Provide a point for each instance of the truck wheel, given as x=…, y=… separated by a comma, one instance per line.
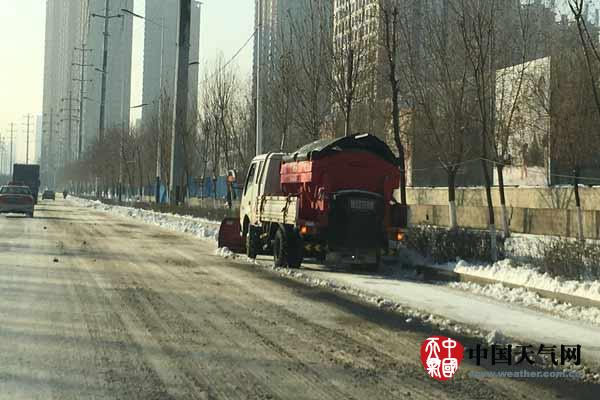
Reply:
x=280, y=249
x=295, y=249
x=287, y=248
x=252, y=242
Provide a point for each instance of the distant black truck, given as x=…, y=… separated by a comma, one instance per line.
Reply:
x=28, y=175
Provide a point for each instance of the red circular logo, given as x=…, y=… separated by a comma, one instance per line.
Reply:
x=441, y=356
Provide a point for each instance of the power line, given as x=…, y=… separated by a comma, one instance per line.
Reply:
x=28, y=116
x=237, y=53
x=551, y=174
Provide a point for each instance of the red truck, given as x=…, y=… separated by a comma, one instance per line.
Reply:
x=331, y=199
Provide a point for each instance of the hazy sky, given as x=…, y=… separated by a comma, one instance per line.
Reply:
x=225, y=26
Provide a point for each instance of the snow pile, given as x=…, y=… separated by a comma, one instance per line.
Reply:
x=525, y=275
x=199, y=227
x=531, y=299
x=521, y=246
x=496, y=337
x=225, y=253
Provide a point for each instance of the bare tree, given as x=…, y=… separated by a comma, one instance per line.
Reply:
x=390, y=16
x=477, y=23
x=225, y=123
x=436, y=81
x=280, y=99
x=589, y=44
x=353, y=54
x=574, y=119
x=311, y=32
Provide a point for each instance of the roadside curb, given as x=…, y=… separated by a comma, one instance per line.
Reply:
x=436, y=274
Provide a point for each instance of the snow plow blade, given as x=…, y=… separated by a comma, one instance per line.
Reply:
x=230, y=235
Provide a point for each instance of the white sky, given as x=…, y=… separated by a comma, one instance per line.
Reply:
x=225, y=26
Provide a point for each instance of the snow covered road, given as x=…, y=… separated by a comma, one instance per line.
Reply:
x=95, y=305
x=477, y=312
x=517, y=315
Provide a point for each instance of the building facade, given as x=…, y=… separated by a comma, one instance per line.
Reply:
x=71, y=26
x=64, y=22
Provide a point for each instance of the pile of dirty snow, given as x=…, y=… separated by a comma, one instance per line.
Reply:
x=527, y=275
x=531, y=299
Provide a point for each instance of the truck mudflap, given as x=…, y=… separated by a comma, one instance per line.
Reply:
x=230, y=235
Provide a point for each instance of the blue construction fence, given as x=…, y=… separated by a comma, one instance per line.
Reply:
x=202, y=189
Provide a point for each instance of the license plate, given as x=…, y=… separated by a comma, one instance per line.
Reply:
x=362, y=205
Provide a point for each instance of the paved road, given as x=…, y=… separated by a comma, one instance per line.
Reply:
x=93, y=306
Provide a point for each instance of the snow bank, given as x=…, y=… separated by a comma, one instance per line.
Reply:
x=525, y=275
x=531, y=299
x=199, y=227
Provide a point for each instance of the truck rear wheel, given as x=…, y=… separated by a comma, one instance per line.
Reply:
x=287, y=248
x=252, y=242
x=296, y=249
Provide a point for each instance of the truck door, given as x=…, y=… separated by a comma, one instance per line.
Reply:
x=249, y=194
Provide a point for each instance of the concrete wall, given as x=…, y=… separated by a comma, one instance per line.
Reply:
x=535, y=198
x=539, y=221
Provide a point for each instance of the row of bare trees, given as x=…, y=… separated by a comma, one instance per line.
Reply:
x=462, y=82
x=472, y=77
x=219, y=137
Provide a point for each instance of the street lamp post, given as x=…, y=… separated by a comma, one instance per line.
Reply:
x=259, y=127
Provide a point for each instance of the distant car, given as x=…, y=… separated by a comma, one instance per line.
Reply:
x=49, y=194
x=16, y=199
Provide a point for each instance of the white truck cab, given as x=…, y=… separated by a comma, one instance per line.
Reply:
x=263, y=178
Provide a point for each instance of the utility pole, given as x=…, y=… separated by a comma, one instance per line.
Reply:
x=69, y=151
x=181, y=104
x=47, y=153
x=259, y=124
x=160, y=114
x=83, y=65
x=28, y=116
x=104, y=72
x=12, y=129
x=104, y=65
x=2, y=151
